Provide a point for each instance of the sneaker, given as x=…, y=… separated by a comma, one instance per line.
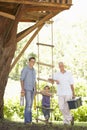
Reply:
x=28, y=123
x=66, y=124
x=72, y=121
x=46, y=120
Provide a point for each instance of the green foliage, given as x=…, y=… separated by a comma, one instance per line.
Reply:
x=56, y=112
x=81, y=90
x=68, y=47
x=13, y=108
x=15, y=73
x=80, y=114
x=8, y=110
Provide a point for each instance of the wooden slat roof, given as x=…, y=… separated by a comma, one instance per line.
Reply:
x=33, y=10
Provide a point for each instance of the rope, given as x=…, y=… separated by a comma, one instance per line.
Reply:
x=39, y=70
x=52, y=63
x=38, y=73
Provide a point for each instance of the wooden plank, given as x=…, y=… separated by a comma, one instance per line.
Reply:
x=43, y=79
x=69, y=1
x=41, y=8
x=25, y=47
x=58, y=1
x=43, y=120
x=41, y=107
x=17, y=17
x=38, y=119
x=45, y=64
x=45, y=44
x=7, y=15
x=37, y=3
x=24, y=33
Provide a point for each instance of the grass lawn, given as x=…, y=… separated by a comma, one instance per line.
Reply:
x=10, y=125
x=16, y=125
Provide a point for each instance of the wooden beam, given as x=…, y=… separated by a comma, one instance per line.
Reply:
x=24, y=33
x=13, y=22
x=42, y=8
x=7, y=15
x=42, y=44
x=42, y=79
x=43, y=120
x=27, y=20
x=25, y=47
x=45, y=64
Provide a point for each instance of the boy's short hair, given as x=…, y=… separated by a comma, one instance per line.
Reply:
x=47, y=87
x=32, y=58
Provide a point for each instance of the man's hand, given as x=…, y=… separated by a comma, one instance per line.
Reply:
x=22, y=92
x=57, y=82
x=51, y=81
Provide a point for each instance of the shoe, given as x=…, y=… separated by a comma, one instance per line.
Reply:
x=72, y=121
x=28, y=123
x=33, y=123
x=46, y=121
x=65, y=124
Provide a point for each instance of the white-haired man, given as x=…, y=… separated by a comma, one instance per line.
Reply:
x=65, y=84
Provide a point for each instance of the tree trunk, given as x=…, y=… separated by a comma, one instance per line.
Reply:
x=8, y=32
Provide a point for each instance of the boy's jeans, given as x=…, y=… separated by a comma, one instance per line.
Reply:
x=46, y=112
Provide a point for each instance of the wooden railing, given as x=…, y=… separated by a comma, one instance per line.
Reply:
x=56, y=1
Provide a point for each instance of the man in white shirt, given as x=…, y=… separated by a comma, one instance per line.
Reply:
x=65, y=84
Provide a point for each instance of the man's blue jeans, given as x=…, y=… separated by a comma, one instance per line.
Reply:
x=29, y=95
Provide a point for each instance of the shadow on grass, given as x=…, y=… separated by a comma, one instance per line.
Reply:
x=10, y=125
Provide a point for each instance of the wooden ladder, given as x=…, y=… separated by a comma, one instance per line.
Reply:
x=40, y=63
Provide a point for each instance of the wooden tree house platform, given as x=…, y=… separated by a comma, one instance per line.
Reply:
x=36, y=11
x=33, y=10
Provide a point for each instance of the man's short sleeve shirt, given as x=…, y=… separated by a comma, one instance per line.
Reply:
x=65, y=82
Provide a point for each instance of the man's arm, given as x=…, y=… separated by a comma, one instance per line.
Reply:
x=52, y=81
x=73, y=92
x=22, y=86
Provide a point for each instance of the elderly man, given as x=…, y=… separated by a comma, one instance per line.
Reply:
x=65, y=84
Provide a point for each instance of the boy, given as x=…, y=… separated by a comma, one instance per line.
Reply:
x=46, y=94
